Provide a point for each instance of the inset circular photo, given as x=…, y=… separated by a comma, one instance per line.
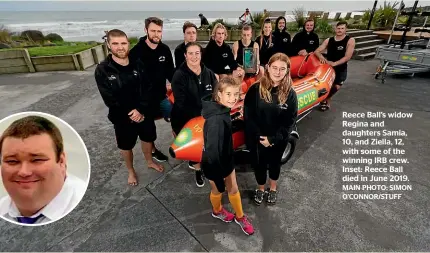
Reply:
x=45, y=168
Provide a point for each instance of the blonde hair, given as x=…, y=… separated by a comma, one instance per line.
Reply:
x=284, y=87
x=219, y=26
x=223, y=84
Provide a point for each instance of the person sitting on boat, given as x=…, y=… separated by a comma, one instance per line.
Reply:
x=270, y=113
x=340, y=49
x=266, y=42
x=283, y=38
x=218, y=56
x=306, y=41
x=247, y=42
x=246, y=18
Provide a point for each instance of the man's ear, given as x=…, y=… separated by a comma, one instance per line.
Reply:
x=63, y=161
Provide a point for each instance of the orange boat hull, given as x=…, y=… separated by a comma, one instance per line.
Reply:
x=312, y=82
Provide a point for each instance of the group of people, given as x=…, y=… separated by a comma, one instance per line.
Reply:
x=207, y=82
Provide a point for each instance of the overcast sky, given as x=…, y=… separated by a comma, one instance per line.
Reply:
x=103, y=5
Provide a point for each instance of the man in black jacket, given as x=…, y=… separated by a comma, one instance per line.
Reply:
x=125, y=89
x=218, y=56
x=306, y=41
x=190, y=35
x=158, y=62
x=282, y=41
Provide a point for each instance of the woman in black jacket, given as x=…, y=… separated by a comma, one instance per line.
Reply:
x=270, y=112
x=191, y=82
x=217, y=156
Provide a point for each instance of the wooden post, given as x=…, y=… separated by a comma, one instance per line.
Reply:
x=27, y=60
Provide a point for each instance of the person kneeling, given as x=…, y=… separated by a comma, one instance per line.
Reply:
x=217, y=158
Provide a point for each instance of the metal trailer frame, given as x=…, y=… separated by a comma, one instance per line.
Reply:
x=397, y=60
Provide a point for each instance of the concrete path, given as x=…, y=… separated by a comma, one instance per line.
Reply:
x=168, y=212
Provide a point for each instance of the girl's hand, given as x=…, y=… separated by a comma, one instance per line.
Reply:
x=265, y=142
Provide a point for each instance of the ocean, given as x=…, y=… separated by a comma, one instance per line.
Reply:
x=90, y=25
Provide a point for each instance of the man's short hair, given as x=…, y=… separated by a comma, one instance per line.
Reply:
x=188, y=25
x=342, y=23
x=34, y=125
x=115, y=33
x=154, y=20
x=246, y=28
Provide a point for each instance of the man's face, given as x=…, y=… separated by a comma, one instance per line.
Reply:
x=190, y=34
x=220, y=35
x=119, y=46
x=30, y=171
x=340, y=30
x=309, y=26
x=247, y=35
x=193, y=56
x=281, y=24
x=155, y=33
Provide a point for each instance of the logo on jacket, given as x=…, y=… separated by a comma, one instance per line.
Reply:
x=311, y=42
x=225, y=55
x=134, y=72
x=283, y=107
x=162, y=58
x=208, y=87
x=112, y=77
x=227, y=67
x=285, y=39
x=340, y=48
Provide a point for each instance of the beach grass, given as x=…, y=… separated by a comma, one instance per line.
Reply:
x=58, y=50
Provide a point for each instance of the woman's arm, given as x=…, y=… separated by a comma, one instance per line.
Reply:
x=252, y=131
x=289, y=119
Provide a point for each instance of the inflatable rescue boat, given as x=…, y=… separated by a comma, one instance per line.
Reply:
x=312, y=82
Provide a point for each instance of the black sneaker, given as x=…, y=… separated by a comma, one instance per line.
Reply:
x=191, y=166
x=200, y=178
x=157, y=155
x=271, y=197
x=259, y=196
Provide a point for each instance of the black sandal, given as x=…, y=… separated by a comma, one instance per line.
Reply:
x=324, y=106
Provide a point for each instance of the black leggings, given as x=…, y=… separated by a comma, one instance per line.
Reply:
x=268, y=159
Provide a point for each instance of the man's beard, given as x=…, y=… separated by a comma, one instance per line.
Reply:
x=152, y=41
x=124, y=56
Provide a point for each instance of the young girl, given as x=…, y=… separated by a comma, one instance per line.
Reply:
x=270, y=112
x=217, y=158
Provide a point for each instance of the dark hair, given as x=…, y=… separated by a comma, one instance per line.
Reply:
x=34, y=125
x=188, y=25
x=190, y=44
x=154, y=20
x=115, y=33
x=342, y=23
x=223, y=83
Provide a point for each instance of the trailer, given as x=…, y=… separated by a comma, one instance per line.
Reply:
x=405, y=57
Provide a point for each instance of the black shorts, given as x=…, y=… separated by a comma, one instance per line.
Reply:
x=341, y=76
x=126, y=133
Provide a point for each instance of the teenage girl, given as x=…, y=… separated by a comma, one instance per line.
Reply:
x=217, y=158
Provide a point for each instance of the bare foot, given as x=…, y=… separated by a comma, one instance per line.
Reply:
x=132, y=178
x=156, y=167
